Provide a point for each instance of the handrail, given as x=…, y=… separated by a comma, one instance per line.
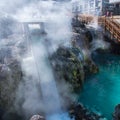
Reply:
x=109, y=24
x=112, y=27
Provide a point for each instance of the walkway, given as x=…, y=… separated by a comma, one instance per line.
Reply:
x=111, y=24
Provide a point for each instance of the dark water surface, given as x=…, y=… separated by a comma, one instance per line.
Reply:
x=101, y=92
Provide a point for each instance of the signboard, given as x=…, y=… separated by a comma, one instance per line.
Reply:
x=114, y=1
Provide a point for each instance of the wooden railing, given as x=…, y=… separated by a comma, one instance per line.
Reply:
x=86, y=18
x=109, y=24
x=112, y=26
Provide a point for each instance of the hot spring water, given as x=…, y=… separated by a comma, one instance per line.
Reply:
x=101, y=92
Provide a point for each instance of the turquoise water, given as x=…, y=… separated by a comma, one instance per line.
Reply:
x=101, y=92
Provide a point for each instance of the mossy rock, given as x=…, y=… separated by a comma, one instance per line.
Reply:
x=68, y=66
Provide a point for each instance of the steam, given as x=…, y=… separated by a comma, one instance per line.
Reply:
x=100, y=44
x=55, y=15
x=9, y=7
x=38, y=75
x=37, y=70
x=63, y=116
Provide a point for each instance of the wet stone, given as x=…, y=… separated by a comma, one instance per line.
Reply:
x=37, y=117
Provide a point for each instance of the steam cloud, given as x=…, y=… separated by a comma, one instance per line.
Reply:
x=35, y=66
x=37, y=70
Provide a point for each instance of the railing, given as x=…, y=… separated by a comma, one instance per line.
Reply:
x=112, y=26
x=109, y=24
x=86, y=18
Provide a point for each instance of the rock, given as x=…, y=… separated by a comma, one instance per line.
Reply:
x=82, y=38
x=116, y=114
x=90, y=67
x=10, y=76
x=1, y=113
x=7, y=25
x=10, y=69
x=79, y=112
x=37, y=117
x=67, y=64
x=10, y=115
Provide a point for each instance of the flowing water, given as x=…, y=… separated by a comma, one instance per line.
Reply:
x=58, y=116
x=46, y=78
x=101, y=92
x=51, y=98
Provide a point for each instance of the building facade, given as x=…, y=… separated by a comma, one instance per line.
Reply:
x=114, y=6
x=94, y=7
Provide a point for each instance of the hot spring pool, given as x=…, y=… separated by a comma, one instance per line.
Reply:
x=101, y=92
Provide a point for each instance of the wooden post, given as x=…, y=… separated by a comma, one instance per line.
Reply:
x=105, y=23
